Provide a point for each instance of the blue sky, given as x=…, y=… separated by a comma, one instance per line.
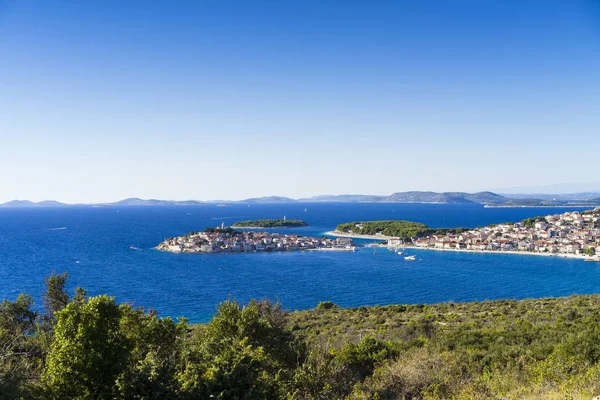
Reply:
x=101, y=100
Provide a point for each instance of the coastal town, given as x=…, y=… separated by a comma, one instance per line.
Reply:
x=229, y=240
x=571, y=233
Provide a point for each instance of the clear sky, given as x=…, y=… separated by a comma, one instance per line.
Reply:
x=102, y=100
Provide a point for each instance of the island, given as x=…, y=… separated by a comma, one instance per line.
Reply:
x=270, y=223
x=230, y=240
x=571, y=234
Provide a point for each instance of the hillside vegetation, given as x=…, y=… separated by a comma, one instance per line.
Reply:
x=403, y=229
x=84, y=347
x=270, y=223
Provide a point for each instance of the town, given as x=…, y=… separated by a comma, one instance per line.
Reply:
x=571, y=233
x=228, y=240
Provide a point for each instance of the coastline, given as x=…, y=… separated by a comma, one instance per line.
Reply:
x=524, y=206
x=267, y=227
x=355, y=236
x=513, y=252
x=413, y=247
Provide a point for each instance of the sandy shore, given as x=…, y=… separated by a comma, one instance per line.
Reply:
x=355, y=236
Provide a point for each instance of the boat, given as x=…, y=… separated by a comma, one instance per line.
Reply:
x=592, y=260
x=400, y=253
x=410, y=258
x=306, y=209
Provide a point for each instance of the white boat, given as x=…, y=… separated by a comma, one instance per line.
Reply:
x=592, y=259
x=400, y=253
x=410, y=258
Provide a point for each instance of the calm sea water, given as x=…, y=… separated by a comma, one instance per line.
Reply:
x=93, y=244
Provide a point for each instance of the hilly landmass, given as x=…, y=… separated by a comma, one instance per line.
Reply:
x=268, y=199
x=27, y=203
x=445, y=198
x=134, y=201
x=342, y=198
x=489, y=199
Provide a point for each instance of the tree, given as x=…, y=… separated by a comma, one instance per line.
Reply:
x=56, y=298
x=243, y=353
x=89, y=351
x=17, y=351
x=154, y=359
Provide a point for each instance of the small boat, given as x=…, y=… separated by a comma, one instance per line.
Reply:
x=592, y=260
x=410, y=258
x=400, y=253
x=306, y=209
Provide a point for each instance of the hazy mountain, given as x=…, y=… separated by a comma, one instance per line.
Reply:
x=555, y=196
x=560, y=188
x=445, y=198
x=343, y=198
x=27, y=203
x=268, y=199
x=134, y=201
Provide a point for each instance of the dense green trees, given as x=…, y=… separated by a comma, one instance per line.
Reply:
x=93, y=348
x=403, y=229
x=270, y=223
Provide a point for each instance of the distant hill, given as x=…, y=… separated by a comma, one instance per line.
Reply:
x=445, y=198
x=343, y=198
x=268, y=199
x=27, y=203
x=554, y=196
x=489, y=199
x=134, y=201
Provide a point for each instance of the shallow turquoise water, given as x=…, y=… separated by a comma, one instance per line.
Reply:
x=94, y=248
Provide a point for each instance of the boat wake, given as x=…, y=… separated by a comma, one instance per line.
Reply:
x=62, y=228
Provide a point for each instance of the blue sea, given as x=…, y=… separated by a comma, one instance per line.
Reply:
x=93, y=245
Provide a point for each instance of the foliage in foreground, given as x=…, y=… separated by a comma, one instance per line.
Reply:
x=93, y=348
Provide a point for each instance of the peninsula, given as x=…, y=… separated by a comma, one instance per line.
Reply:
x=571, y=234
x=270, y=223
x=229, y=240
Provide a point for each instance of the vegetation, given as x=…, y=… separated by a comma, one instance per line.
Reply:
x=92, y=348
x=270, y=223
x=403, y=229
x=227, y=230
x=530, y=222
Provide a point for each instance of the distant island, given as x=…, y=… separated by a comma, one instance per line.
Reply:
x=488, y=199
x=270, y=223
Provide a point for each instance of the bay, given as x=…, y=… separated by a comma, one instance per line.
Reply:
x=93, y=245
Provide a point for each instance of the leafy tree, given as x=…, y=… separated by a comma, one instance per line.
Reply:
x=89, y=351
x=154, y=356
x=242, y=353
x=55, y=299
x=17, y=352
